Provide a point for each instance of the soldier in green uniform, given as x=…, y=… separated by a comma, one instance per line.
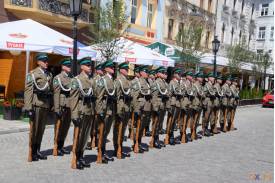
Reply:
x=197, y=105
x=61, y=86
x=151, y=81
x=94, y=131
x=233, y=103
x=217, y=103
x=185, y=103
x=210, y=96
x=159, y=97
x=176, y=96
x=37, y=103
x=141, y=94
x=105, y=109
x=134, y=103
x=225, y=103
x=123, y=113
x=82, y=108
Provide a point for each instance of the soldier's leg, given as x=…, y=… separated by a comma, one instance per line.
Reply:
x=205, y=123
x=183, y=125
x=161, y=121
x=145, y=118
x=228, y=117
x=232, y=127
x=42, y=120
x=193, y=124
x=190, y=119
x=137, y=134
x=123, y=126
x=154, y=128
x=32, y=156
x=116, y=130
x=101, y=126
x=64, y=128
x=108, y=124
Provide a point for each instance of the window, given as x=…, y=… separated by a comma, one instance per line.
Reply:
x=170, y=28
x=207, y=39
x=240, y=37
x=261, y=34
x=270, y=51
x=252, y=10
x=201, y=3
x=223, y=29
x=224, y=2
x=234, y=3
x=232, y=35
x=242, y=5
x=134, y=12
x=209, y=5
x=264, y=11
x=181, y=25
x=149, y=15
x=272, y=33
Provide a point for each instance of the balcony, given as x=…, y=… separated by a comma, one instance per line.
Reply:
x=52, y=12
x=225, y=9
x=235, y=14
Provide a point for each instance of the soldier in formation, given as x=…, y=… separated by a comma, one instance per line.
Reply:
x=97, y=102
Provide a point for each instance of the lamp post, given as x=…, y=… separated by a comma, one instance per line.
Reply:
x=215, y=47
x=75, y=8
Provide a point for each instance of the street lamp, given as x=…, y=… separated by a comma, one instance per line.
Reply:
x=75, y=8
x=215, y=47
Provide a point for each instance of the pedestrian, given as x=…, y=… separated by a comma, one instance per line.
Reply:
x=37, y=104
x=233, y=103
x=82, y=108
x=62, y=87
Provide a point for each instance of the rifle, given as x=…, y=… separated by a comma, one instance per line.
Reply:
x=75, y=141
x=56, y=133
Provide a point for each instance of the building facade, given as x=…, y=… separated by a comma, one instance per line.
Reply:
x=264, y=39
x=178, y=13
x=236, y=23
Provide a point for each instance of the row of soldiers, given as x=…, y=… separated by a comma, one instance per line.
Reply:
x=95, y=102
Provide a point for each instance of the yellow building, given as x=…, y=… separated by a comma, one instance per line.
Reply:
x=178, y=13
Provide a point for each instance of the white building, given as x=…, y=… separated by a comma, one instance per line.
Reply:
x=264, y=41
x=235, y=22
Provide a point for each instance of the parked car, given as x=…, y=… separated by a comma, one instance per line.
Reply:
x=268, y=99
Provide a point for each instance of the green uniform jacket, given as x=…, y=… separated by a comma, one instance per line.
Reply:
x=82, y=91
x=227, y=95
x=38, y=89
x=123, y=89
x=61, y=87
x=185, y=101
x=176, y=93
x=159, y=89
x=199, y=96
x=210, y=95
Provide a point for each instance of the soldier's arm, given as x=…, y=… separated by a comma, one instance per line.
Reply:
x=28, y=93
x=56, y=95
x=74, y=99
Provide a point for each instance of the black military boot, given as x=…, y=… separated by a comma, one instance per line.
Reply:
x=39, y=154
x=108, y=158
x=79, y=164
x=63, y=150
x=171, y=139
x=104, y=160
x=115, y=151
x=83, y=162
x=156, y=143
x=34, y=153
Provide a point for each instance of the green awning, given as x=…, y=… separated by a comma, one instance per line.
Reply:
x=173, y=52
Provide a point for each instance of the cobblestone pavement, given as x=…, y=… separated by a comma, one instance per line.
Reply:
x=245, y=155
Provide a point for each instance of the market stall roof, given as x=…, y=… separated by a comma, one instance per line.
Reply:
x=172, y=51
x=129, y=51
x=208, y=58
x=29, y=35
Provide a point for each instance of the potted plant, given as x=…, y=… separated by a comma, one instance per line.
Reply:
x=12, y=109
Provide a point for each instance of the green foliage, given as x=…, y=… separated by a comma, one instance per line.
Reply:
x=251, y=93
x=189, y=39
x=111, y=22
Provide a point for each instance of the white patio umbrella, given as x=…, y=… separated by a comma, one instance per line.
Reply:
x=28, y=35
x=129, y=51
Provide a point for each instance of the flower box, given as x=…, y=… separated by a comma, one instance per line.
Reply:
x=12, y=113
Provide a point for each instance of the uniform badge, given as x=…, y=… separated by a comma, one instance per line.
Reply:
x=74, y=84
x=55, y=82
x=100, y=83
x=29, y=78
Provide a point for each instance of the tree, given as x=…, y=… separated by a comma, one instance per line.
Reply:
x=189, y=39
x=111, y=22
x=261, y=62
x=238, y=55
